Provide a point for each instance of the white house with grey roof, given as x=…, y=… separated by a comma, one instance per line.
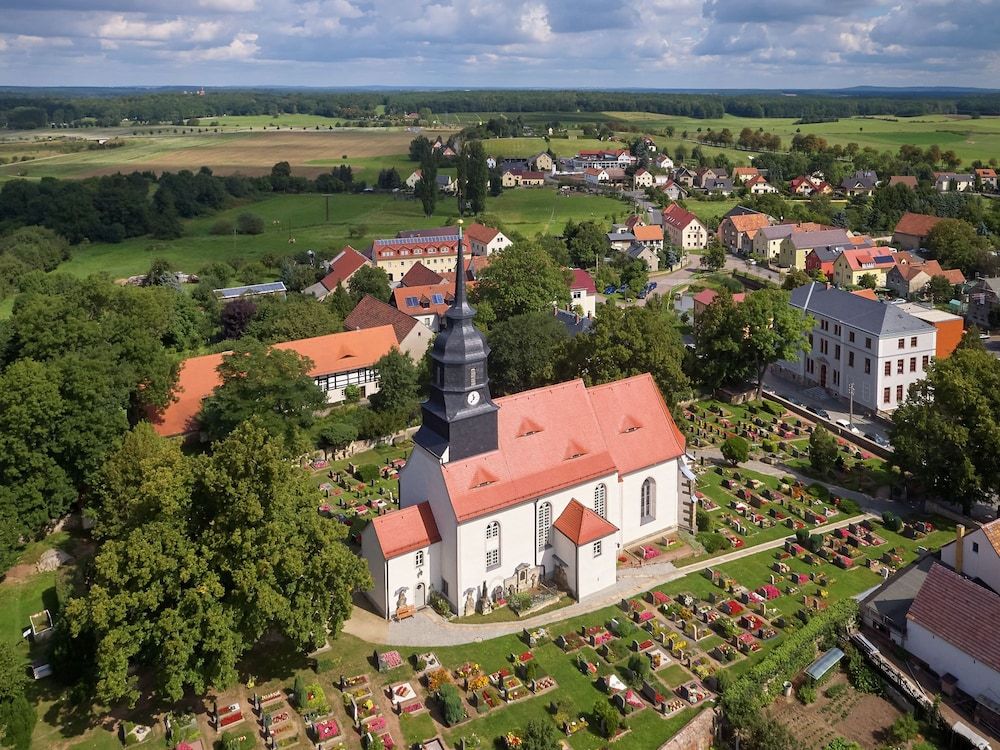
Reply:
x=874, y=346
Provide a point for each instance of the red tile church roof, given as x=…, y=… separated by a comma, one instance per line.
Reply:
x=582, y=525
x=406, y=530
x=561, y=436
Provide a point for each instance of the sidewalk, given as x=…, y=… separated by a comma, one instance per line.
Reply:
x=426, y=628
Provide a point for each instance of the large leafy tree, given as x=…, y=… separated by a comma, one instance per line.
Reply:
x=586, y=242
x=527, y=352
x=297, y=317
x=184, y=586
x=956, y=245
x=17, y=715
x=947, y=432
x=474, y=177
x=270, y=384
x=399, y=387
x=369, y=280
x=631, y=341
x=521, y=279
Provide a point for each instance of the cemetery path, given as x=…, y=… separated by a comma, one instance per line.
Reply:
x=426, y=628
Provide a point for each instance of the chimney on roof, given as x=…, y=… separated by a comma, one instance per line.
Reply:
x=959, y=547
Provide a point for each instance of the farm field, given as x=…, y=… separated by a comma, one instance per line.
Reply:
x=970, y=139
x=302, y=217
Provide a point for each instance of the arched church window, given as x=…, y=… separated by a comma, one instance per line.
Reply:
x=601, y=500
x=493, y=545
x=544, y=525
x=647, y=501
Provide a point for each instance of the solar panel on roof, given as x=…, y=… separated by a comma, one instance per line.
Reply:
x=437, y=299
x=412, y=302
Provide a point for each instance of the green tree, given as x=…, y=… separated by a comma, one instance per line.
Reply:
x=947, y=432
x=270, y=384
x=299, y=316
x=476, y=177
x=771, y=330
x=540, y=734
x=451, y=704
x=369, y=280
x=586, y=242
x=336, y=436
x=736, y=450
x=555, y=247
x=526, y=351
x=794, y=279
x=341, y=301
x=955, y=244
x=868, y=281
x=522, y=278
x=905, y=728
x=427, y=188
x=631, y=341
x=248, y=223
x=399, y=390
x=714, y=257
x=940, y=290
x=242, y=555
x=823, y=450
x=638, y=669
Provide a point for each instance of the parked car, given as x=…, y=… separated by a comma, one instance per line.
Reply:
x=623, y=289
x=847, y=426
x=819, y=412
x=610, y=289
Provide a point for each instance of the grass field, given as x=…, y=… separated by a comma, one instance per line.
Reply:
x=302, y=217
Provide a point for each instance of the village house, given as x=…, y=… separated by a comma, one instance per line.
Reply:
x=718, y=186
x=908, y=279
x=909, y=181
x=874, y=346
x=952, y=182
x=796, y=246
x=347, y=263
x=500, y=495
x=413, y=338
x=266, y=289
x=743, y=175
x=806, y=185
x=582, y=292
x=757, y=185
x=821, y=260
x=862, y=182
x=664, y=162
x=542, y=162
x=987, y=177
x=684, y=176
x=642, y=179
x=512, y=178
x=620, y=238
x=447, y=184
x=415, y=176
x=425, y=303
x=706, y=297
x=684, y=229
x=434, y=248
x=854, y=263
x=737, y=230
x=484, y=240
x=650, y=236
x=767, y=241
x=912, y=229
x=596, y=176
x=603, y=159
x=645, y=253
x=338, y=360
x=950, y=328
x=984, y=298
x=704, y=175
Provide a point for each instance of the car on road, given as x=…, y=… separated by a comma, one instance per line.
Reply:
x=847, y=426
x=819, y=412
x=610, y=289
x=877, y=439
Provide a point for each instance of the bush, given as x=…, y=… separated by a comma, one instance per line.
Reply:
x=451, y=704
x=638, y=667
x=773, y=407
x=905, y=728
x=247, y=223
x=807, y=693
x=440, y=604
x=892, y=521
x=736, y=450
x=861, y=676
x=711, y=542
x=352, y=394
x=222, y=227
x=368, y=472
x=519, y=602
x=835, y=691
x=704, y=520
x=606, y=718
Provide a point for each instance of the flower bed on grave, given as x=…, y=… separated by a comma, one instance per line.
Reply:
x=523, y=658
x=315, y=701
x=387, y=741
x=499, y=676
x=573, y=726
x=544, y=683
x=570, y=641
x=229, y=719
x=478, y=682
x=486, y=699
x=512, y=741
x=276, y=717
x=429, y=660
x=412, y=708
x=374, y=724
x=648, y=551
x=326, y=730
x=657, y=659
x=657, y=598
x=283, y=729
x=388, y=660
x=436, y=679
x=642, y=617
x=271, y=698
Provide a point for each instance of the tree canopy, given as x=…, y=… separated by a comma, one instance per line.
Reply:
x=225, y=549
x=947, y=432
x=526, y=351
x=522, y=278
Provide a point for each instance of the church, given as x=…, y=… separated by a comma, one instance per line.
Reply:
x=545, y=485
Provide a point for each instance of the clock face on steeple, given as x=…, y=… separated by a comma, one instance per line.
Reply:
x=473, y=398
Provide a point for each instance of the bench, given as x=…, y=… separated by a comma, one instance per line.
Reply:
x=405, y=611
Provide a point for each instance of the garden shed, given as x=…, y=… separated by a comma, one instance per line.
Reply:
x=825, y=663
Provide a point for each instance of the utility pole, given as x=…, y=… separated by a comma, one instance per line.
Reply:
x=850, y=418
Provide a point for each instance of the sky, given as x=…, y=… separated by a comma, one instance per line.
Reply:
x=504, y=43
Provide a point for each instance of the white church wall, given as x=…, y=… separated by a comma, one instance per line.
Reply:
x=517, y=545
x=666, y=506
x=421, y=480
x=566, y=551
x=596, y=572
x=414, y=581
x=371, y=551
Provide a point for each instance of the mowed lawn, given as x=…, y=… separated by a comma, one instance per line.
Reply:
x=302, y=217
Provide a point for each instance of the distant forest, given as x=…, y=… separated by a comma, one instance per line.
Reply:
x=23, y=109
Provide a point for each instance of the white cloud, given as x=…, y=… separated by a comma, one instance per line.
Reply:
x=243, y=47
x=535, y=23
x=120, y=27
x=229, y=6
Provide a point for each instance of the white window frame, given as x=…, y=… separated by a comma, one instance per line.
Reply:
x=601, y=500
x=598, y=548
x=544, y=526
x=647, y=501
x=493, y=558
x=418, y=559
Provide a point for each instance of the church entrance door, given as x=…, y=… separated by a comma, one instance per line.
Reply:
x=421, y=595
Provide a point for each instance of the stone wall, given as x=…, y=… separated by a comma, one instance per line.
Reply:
x=696, y=735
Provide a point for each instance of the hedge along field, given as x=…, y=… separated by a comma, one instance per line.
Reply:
x=302, y=217
x=970, y=138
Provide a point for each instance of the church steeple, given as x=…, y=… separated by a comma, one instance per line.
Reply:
x=459, y=418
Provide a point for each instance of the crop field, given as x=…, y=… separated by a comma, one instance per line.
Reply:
x=302, y=218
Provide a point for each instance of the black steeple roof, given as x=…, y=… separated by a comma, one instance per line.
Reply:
x=459, y=419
